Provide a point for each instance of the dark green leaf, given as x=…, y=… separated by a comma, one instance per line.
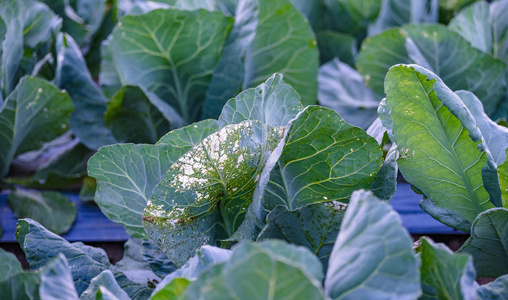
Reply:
x=444, y=274
x=314, y=226
x=373, y=256
x=53, y=210
x=87, y=192
x=268, y=36
x=34, y=113
x=324, y=159
x=489, y=243
x=126, y=174
x=41, y=245
x=87, y=121
x=9, y=264
x=132, y=118
x=205, y=194
x=273, y=102
x=159, y=263
x=439, y=152
x=342, y=89
x=385, y=183
x=171, y=53
x=23, y=285
x=335, y=44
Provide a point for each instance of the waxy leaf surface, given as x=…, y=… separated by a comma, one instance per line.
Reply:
x=372, y=257
x=439, y=152
x=127, y=174
x=205, y=194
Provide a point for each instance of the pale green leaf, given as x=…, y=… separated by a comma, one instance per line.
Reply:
x=342, y=89
x=372, y=257
x=439, y=152
x=497, y=289
x=106, y=280
x=444, y=274
x=273, y=102
x=56, y=280
x=267, y=270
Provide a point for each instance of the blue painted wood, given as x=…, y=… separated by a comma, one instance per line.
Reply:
x=92, y=226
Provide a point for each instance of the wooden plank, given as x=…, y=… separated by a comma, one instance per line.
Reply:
x=92, y=226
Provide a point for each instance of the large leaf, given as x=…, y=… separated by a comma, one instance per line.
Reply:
x=132, y=117
x=72, y=74
x=489, y=243
x=133, y=264
x=485, y=27
x=444, y=274
x=439, y=152
x=273, y=102
x=373, y=256
x=56, y=280
x=53, y=210
x=107, y=280
x=324, y=159
x=34, y=113
x=342, y=89
x=268, y=270
x=27, y=26
x=268, y=36
x=205, y=194
x=497, y=289
x=440, y=50
x=314, y=226
x=41, y=245
x=171, y=53
x=126, y=174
